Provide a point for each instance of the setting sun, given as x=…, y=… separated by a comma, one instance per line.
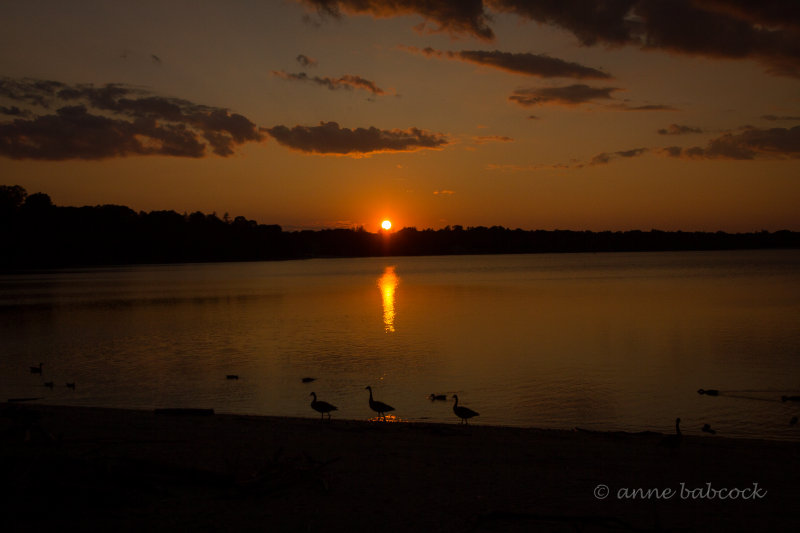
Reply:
x=386, y=224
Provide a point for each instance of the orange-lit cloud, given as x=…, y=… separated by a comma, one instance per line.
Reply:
x=348, y=81
x=678, y=129
x=540, y=65
x=452, y=16
x=751, y=143
x=330, y=138
x=61, y=121
x=306, y=61
x=445, y=192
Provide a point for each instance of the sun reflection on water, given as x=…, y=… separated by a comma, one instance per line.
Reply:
x=388, y=283
x=387, y=419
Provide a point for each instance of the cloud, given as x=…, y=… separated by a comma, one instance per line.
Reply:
x=330, y=138
x=483, y=139
x=765, y=31
x=89, y=122
x=606, y=157
x=306, y=61
x=751, y=143
x=348, y=81
x=444, y=192
x=540, y=65
x=646, y=107
x=570, y=95
x=781, y=117
x=678, y=129
x=451, y=16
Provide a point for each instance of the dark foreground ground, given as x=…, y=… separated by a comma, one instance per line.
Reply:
x=87, y=469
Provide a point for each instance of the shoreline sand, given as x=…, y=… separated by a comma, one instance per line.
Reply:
x=97, y=469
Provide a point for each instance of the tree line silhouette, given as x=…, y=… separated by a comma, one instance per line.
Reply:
x=35, y=233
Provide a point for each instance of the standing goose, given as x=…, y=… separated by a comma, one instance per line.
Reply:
x=464, y=413
x=673, y=441
x=379, y=407
x=321, y=407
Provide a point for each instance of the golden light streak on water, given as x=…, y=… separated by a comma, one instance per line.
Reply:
x=387, y=284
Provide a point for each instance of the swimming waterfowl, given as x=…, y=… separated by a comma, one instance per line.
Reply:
x=708, y=392
x=36, y=369
x=379, y=407
x=308, y=380
x=49, y=384
x=464, y=413
x=707, y=429
x=435, y=397
x=783, y=398
x=321, y=407
x=232, y=376
x=71, y=385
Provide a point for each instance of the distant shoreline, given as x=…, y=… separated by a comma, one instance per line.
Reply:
x=38, y=234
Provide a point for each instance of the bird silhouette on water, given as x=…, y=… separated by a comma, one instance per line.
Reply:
x=707, y=428
x=793, y=421
x=708, y=392
x=437, y=397
x=308, y=380
x=673, y=441
x=323, y=408
x=783, y=398
x=36, y=369
x=464, y=413
x=379, y=407
x=71, y=385
x=49, y=384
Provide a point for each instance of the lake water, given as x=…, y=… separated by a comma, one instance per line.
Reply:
x=598, y=341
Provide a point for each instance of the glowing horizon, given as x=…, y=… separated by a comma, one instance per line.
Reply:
x=495, y=115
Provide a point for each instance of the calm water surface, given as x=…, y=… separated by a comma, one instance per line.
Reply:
x=599, y=341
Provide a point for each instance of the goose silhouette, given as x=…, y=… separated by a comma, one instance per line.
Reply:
x=321, y=407
x=379, y=407
x=464, y=413
x=673, y=441
x=36, y=369
x=71, y=385
x=49, y=384
x=439, y=397
x=708, y=392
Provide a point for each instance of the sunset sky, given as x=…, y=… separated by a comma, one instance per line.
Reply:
x=552, y=114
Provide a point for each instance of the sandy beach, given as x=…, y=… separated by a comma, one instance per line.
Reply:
x=94, y=469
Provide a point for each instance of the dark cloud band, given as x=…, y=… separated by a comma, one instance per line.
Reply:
x=528, y=64
x=330, y=138
x=63, y=121
x=348, y=81
x=751, y=143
